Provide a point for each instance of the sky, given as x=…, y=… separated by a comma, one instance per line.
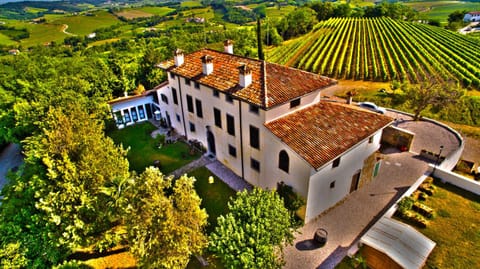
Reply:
x=6, y=1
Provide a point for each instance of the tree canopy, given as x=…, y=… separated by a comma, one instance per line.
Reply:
x=164, y=220
x=254, y=231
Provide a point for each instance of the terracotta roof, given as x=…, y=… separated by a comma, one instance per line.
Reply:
x=272, y=84
x=321, y=132
x=474, y=13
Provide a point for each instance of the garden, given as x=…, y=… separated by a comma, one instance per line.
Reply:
x=144, y=151
x=446, y=214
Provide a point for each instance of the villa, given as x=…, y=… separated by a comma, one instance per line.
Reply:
x=267, y=123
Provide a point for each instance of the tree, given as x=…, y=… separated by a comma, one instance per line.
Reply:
x=259, y=41
x=433, y=94
x=298, y=22
x=59, y=190
x=252, y=234
x=164, y=221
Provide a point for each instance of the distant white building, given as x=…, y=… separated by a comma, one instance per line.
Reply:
x=92, y=35
x=267, y=123
x=472, y=16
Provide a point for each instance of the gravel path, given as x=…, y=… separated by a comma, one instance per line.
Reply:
x=202, y=161
x=226, y=175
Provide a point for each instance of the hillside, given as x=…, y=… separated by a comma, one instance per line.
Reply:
x=382, y=49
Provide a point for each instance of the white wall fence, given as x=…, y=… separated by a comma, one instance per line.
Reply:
x=450, y=160
x=456, y=179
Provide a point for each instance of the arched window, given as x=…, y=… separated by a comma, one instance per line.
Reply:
x=283, y=161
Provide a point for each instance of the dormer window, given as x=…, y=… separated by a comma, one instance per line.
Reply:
x=294, y=103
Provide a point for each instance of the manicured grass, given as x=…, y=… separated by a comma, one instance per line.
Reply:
x=144, y=149
x=214, y=196
x=455, y=228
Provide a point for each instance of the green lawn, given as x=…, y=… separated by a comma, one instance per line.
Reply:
x=144, y=150
x=5, y=40
x=214, y=196
x=160, y=11
x=455, y=228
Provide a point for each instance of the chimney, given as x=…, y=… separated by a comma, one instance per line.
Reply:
x=228, y=46
x=178, y=57
x=245, y=75
x=350, y=95
x=207, y=64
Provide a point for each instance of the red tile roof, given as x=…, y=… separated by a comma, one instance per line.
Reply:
x=272, y=84
x=324, y=131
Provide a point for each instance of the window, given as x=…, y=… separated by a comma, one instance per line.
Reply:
x=164, y=98
x=253, y=109
x=178, y=118
x=230, y=125
x=283, y=161
x=254, y=164
x=370, y=140
x=232, y=150
x=197, y=85
x=294, y=103
x=254, y=139
x=198, y=105
x=141, y=112
x=336, y=162
x=174, y=94
x=134, y=115
x=189, y=103
x=172, y=75
x=192, y=127
x=118, y=117
x=126, y=116
x=218, y=117
x=228, y=98
x=332, y=184
x=187, y=81
x=216, y=93
x=155, y=98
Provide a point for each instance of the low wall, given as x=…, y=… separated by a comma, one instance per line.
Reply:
x=455, y=179
x=450, y=160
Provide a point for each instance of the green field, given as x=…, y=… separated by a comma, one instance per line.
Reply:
x=439, y=10
x=84, y=25
x=5, y=40
x=274, y=12
x=35, y=10
x=382, y=49
x=159, y=11
x=191, y=4
x=43, y=33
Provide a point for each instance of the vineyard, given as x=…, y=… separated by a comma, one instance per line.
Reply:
x=382, y=49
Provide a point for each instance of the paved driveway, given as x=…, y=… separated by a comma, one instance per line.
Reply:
x=352, y=217
x=10, y=157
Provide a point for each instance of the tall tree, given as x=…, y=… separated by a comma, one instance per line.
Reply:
x=261, y=56
x=431, y=94
x=59, y=189
x=254, y=231
x=164, y=221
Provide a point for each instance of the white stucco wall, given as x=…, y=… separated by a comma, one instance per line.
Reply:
x=283, y=109
x=320, y=195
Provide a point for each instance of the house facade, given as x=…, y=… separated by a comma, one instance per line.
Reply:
x=472, y=16
x=267, y=123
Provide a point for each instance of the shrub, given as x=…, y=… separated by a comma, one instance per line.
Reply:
x=292, y=200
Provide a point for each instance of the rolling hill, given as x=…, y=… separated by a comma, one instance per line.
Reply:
x=382, y=49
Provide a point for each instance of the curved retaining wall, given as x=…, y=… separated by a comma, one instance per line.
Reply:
x=451, y=159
